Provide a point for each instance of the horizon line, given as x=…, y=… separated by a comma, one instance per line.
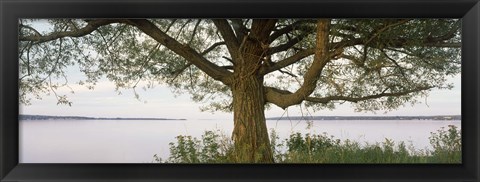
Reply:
x=265, y=117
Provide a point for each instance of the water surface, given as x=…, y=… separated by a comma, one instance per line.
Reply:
x=136, y=141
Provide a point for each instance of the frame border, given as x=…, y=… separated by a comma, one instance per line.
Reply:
x=11, y=11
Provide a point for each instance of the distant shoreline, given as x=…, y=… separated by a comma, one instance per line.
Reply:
x=439, y=117
x=46, y=117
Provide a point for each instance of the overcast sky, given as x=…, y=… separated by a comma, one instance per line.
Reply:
x=103, y=101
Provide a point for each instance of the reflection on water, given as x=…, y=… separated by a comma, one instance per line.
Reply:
x=136, y=141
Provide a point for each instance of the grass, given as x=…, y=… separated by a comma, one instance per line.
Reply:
x=216, y=147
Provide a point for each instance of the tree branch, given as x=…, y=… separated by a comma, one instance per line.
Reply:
x=213, y=46
x=31, y=28
x=428, y=41
x=180, y=71
x=444, y=44
x=228, y=59
x=288, y=73
x=229, y=36
x=325, y=100
x=239, y=28
x=185, y=51
x=379, y=31
x=396, y=64
x=194, y=31
x=446, y=36
x=395, y=43
x=287, y=61
x=89, y=28
x=320, y=59
x=287, y=45
x=289, y=28
x=277, y=93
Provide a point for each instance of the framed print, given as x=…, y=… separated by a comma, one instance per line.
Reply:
x=239, y=90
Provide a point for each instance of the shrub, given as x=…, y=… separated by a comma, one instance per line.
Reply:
x=447, y=144
x=216, y=147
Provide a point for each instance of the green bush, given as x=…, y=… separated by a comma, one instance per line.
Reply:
x=447, y=144
x=216, y=147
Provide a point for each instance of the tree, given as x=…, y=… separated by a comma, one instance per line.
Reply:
x=246, y=65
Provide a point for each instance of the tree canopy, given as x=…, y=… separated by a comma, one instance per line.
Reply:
x=374, y=63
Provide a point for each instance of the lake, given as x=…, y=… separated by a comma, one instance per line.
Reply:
x=136, y=141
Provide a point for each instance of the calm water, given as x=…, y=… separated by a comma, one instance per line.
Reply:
x=134, y=141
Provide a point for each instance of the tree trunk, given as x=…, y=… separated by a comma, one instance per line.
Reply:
x=250, y=134
x=252, y=144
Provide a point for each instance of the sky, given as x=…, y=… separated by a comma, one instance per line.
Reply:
x=103, y=101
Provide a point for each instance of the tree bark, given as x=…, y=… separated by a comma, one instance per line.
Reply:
x=252, y=144
x=250, y=134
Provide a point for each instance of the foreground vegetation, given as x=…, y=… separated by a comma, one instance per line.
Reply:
x=216, y=147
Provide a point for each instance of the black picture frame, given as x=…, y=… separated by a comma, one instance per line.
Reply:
x=11, y=11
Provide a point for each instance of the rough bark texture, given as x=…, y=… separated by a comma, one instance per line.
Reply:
x=250, y=130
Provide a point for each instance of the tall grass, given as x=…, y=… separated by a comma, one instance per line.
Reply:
x=216, y=147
